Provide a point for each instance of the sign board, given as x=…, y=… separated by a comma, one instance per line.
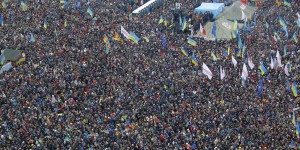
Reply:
x=178, y=5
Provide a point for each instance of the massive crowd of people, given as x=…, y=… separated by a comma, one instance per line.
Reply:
x=71, y=93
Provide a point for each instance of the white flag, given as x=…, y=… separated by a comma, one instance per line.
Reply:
x=206, y=71
x=222, y=73
x=286, y=70
x=244, y=17
x=272, y=63
x=250, y=63
x=278, y=59
x=192, y=32
x=125, y=33
x=234, y=61
x=244, y=72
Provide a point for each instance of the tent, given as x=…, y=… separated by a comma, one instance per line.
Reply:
x=235, y=11
x=224, y=29
x=12, y=55
x=214, y=8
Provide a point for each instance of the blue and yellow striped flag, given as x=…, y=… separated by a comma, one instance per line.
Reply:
x=235, y=25
x=65, y=23
x=267, y=25
x=32, y=39
x=286, y=3
x=213, y=56
x=294, y=89
x=195, y=60
x=161, y=20
x=2, y=59
x=165, y=22
x=45, y=24
x=262, y=68
x=282, y=22
x=192, y=42
x=134, y=38
x=183, y=24
x=24, y=6
x=184, y=51
x=90, y=11
x=4, y=4
x=295, y=37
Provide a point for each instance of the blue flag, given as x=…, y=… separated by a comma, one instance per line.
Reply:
x=214, y=30
x=249, y=28
x=288, y=85
x=260, y=87
x=254, y=21
x=2, y=59
x=1, y=21
x=285, y=30
x=163, y=39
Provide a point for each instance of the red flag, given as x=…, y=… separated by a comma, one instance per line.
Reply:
x=184, y=104
x=244, y=1
x=202, y=30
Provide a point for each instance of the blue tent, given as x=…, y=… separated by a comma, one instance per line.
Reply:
x=214, y=8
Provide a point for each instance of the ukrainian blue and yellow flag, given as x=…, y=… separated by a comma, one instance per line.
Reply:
x=192, y=42
x=239, y=52
x=288, y=85
x=146, y=39
x=228, y=50
x=286, y=31
x=284, y=50
x=106, y=41
x=117, y=38
x=294, y=89
x=244, y=83
x=289, y=66
x=24, y=6
x=134, y=38
x=294, y=119
x=161, y=20
x=267, y=25
x=282, y=22
x=295, y=37
x=286, y=3
x=2, y=59
x=32, y=39
x=90, y=11
x=165, y=22
x=235, y=25
x=262, y=68
x=45, y=24
x=106, y=49
x=4, y=4
x=297, y=127
x=183, y=24
x=225, y=54
x=184, y=51
x=65, y=23
x=213, y=56
x=277, y=36
x=195, y=60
